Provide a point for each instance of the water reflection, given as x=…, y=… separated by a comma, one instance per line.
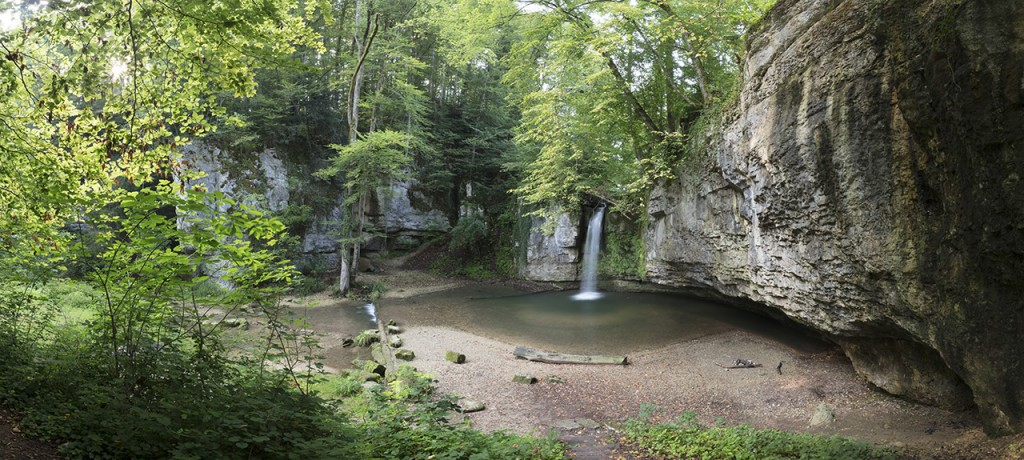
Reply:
x=616, y=323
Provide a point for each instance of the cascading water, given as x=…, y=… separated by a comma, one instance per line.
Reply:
x=588, y=281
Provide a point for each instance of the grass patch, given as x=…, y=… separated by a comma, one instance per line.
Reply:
x=687, y=438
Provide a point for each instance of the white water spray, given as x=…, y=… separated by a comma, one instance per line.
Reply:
x=588, y=281
x=371, y=310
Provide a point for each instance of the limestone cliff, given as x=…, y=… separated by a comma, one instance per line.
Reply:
x=867, y=182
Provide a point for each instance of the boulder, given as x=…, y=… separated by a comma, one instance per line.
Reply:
x=467, y=406
x=823, y=416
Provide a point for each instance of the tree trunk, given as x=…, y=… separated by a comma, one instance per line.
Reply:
x=345, y=275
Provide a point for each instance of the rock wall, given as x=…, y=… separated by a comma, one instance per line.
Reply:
x=868, y=183
x=401, y=213
x=552, y=251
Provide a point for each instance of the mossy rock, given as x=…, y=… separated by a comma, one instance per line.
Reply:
x=454, y=357
x=405, y=355
x=526, y=379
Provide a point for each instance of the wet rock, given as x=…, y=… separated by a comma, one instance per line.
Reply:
x=469, y=405
x=823, y=416
x=405, y=355
x=454, y=357
x=524, y=379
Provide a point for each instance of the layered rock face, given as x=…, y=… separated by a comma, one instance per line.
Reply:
x=868, y=183
x=552, y=252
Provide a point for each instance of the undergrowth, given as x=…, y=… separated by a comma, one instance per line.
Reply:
x=687, y=438
x=178, y=400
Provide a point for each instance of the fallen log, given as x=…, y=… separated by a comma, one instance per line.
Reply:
x=563, y=358
x=738, y=367
x=745, y=364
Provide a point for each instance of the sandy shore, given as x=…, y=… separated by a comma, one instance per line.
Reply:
x=679, y=378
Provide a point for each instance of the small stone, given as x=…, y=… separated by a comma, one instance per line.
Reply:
x=395, y=341
x=469, y=405
x=405, y=355
x=555, y=379
x=524, y=378
x=823, y=416
x=347, y=342
x=454, y=357
x=588, y=423
x=394, y=330
x=392, y=322
x=371, y=377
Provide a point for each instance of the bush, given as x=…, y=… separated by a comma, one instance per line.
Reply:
x=303, y=285
x=687, y=438
x=408, y=421
x=469, y=235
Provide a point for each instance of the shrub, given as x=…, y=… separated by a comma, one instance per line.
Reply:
x=687, y=438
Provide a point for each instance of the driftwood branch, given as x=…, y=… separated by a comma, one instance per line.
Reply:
x=738, y=367
x=563, y=358
x=741, y=364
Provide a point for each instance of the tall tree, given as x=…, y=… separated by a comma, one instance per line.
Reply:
x=607, y=87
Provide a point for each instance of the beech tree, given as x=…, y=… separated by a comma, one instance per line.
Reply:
x=97, y=98
x=609, y=89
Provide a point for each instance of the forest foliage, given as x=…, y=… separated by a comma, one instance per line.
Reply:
x=528, y=103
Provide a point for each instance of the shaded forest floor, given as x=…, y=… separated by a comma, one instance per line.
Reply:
x=16, y=446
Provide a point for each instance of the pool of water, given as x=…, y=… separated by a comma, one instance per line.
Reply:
x=616, y=323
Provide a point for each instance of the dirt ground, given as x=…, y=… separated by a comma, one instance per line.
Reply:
x=16, y=446
x=677, y=378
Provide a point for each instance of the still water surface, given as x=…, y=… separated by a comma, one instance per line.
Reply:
x=617, y=323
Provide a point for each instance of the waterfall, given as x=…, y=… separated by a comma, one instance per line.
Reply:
x=588, y=280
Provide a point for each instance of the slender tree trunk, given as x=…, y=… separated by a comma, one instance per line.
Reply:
x=357, y=245
x=361, y=43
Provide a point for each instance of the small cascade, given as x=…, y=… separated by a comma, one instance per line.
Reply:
x=371, y=310
x=588, y=280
